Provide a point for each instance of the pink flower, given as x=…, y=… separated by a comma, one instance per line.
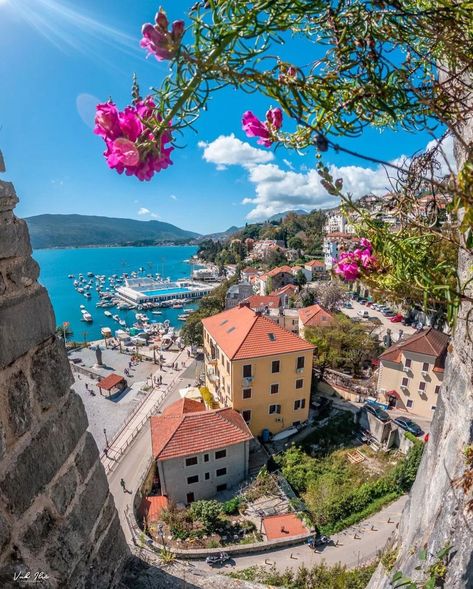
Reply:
x=349, y=271
x=351, y=265
x=131, y=146
x=366, y=243
x=274, y=117
x=106, y=120
x=123, y=151
x=160, y=42
x=253, y=127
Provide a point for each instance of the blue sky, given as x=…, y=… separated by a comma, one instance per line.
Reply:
x=60, y=58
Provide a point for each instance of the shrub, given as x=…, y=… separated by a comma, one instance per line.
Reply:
x=231, y=506
x=208, y=512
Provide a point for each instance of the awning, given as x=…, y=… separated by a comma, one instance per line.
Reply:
x=393, y=394
x=191, y=393
x=110, y=382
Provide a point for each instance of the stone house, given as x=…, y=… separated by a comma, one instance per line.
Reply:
x=411, y=372
x=315, y=269
x=199, y=452
x=237, y=293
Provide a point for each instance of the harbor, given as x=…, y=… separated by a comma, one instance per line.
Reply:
x=122, y=294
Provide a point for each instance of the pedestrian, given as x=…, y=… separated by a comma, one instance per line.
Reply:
x=105, y=451
x=188, y=354
x=86, y=387
x=123, y=484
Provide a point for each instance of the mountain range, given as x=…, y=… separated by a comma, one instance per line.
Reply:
x=48, y=231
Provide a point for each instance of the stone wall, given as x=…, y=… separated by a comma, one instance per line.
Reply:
x=57, y=516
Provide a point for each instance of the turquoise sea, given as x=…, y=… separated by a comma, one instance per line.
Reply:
x=57, y=264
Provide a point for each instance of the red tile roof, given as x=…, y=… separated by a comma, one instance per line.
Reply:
x=315, y=264
x=260, y=302
x=429, y=342
x=110, y=381
x=283, y=526
x=315, y=316
x=178, y=433
x=241, y=333
x=152, y=506
x=275, y=271
x=249, y=270
x=288, y=289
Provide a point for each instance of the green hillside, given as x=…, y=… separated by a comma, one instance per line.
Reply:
x=82, y=230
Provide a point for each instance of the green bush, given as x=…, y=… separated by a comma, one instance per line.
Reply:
x=208, y=512
x=231, y=506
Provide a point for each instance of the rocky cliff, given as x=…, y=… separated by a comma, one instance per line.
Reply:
x=57, y=518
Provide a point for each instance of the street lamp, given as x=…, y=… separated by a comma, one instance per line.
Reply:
x=105, y=434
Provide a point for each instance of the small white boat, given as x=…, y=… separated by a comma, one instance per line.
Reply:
x=107, y=313
x=71, y=276
x=83, y=311
x=82, y=306
x=177, y=306
x=183, y=317
x=122, y=323
x=116, y=317
x=286, y=433
x=157, y=312
x=106, y=332
x=87, y=317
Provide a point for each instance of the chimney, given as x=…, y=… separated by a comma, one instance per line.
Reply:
x=245, y=303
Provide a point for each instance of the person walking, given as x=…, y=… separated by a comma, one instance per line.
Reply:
x=123, y=485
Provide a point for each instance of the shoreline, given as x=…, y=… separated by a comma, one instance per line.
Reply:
x=110, y=246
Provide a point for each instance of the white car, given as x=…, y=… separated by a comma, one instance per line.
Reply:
x=364, y=314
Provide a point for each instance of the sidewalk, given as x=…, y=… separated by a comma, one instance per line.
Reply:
x=151, y=404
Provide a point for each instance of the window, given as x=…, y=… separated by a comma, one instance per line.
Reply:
x=191, y=461
x=299, y=383
x=247, y=371
x=409, y=403
x=190, y=497
x=274, y=409
x=206, y=457
x=207, y=476
x=272, y=337
x=422, y=386
x=299, y=404
x=275, y=366
x=221, y=487
x=247, y=393
x=193, y=479
x=220, y=454
x=228, y=366
x=246, y=415
x=425, y=367
x=220, y=472
x=274, y=389
x=405, y=382
x=300, y=362
x=407, y=363
x=437, y=389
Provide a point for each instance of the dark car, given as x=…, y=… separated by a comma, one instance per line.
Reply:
x=408, y=425
x=377, y=411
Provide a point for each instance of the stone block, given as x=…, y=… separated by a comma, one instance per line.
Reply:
x=64, y=490
x=2, y=440
x=38, y=532
x=105, y=519
x=14, y=239
x=19, y=403
x=87, y=457
x=22, y=272
x=25, y=322
x=8, y=197
x=51, y=373
x=37, y=464
x=4, y=532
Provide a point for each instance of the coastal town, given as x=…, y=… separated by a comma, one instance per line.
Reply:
x=217, y=436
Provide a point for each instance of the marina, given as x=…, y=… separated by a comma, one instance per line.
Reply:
x=89, y=289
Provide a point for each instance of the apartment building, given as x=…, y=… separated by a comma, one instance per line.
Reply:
x=258, y=368
x=199, y=452
x=411, y=372
x=313, y=316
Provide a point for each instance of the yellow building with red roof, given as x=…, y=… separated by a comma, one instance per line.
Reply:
x=258, y=368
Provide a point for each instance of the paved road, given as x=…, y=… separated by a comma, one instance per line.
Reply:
x=385, y=323
x=356, y=545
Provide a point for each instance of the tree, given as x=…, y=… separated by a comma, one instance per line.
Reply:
x=295, y=243
x=330, y=295
x=300, y=278
x=342, y=344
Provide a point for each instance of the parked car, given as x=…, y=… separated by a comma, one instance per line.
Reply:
x=369, y=303
x=362, y=301
x=377, y=412
x=388, y=313
x=363, y=314
x=408, y=425
x=397, y=318
x=348, y=305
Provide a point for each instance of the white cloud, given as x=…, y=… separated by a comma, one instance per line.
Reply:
x=227, y=150
x=155, y=215
x=445, y=156
x=143, y=211
x=277, y=189
x=173, y=196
